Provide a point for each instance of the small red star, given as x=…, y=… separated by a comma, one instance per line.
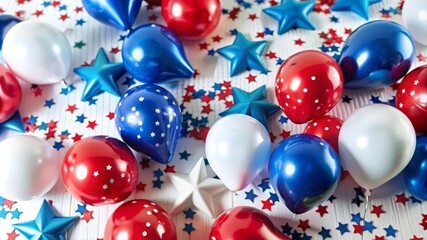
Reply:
x=252, y=17
x=303, y=224
x=55, y=3
x=271, y=55
x=424, y=217
x=416, y=238
x=233, y=13
x=12, y=235
x=141, y=187
x=170, y=169
x=285, y=134
x=273, y=3
x=1, y=10
x=37, y=13
x=190, y=89
x=348, y=30
x=77, y=137
x=71, y=108
x=222, y=95
x=206, y=99
x=196, y=73
x=50, y=134
x=385, y=15
x=9, y=203
x=322, y=210
x=299, y=42
x=31, y=127
x=152, y=17
x=204, y=45
x=85, y=64
x=260, y=35
x=92, y=124
x=217, y=38
x=358, y=228
x=323, y=35
x=251, y=78
x=63, y=136
x=64, y=17
x=87, y=216
x=37, y=92
x=78, y=9
x=421, y=58
x=52, y=124
x=111, y=115
x=20, y=2
x=377, y=210
x=267, y=204
x=379, y=238
x=226, y=84
x=187, y=98
x=401, y=198
x=272, y=137
x=228, y=104
x=115, y=50
x=145, y=163
x=207, y=109
x=19, y=13
x=424, y=225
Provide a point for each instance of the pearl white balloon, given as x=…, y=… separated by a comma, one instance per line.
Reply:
x=37, y=52
x=414, y=17
x=375, y=144
x=237, y=148
x=29, y=167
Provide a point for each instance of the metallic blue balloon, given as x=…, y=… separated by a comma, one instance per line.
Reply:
x=117, y=13
x=152, y=53
x=376, y=54
x=304, y=170
x=415, y=174
x=148, y=119
x=6, y=23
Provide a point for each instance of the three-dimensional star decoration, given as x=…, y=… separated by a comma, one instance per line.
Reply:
x=46, y=225
x=252, y=104
x=195, y=189
x=244, y=54
x=360, y=7
x=100, y=77
x=291, y=14
x=13, y=123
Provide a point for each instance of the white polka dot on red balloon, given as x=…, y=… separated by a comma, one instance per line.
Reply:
x=149, y=213
x=148, y=224
x=144, y=234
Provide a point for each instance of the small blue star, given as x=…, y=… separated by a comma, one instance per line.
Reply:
x=290, y=14
x=100, y=77
x=129, y=81
x=331, y=198
x=334, y=48
x=286, y=229
x=244, y=54
x=334, y=19
x=189, y=213
x=65, y=91
x=342, y=228
x=3, y=213
x=360, y=7
x=384, y=11
x=253, y=104
x=158, y=173
x=359, y=192
x=46, y=225
x=268, y=31
x=122, y=38
x=233, y=32
x=211, y=52
x=283, y=119
x=49, y=103
x=369, y=226
x=158, y=183
x=184, y=155
x=81, y=118
x=415, y=200
x=251, y=195
x=58, y=145
x=390, y=231
x=279, y=61
x=264, y=185
x=296, y=235
x=16, y=214
x=224, y=11
x=32, y=120
x=80, y=22
x=46, y=4
x=324, y=48
x=305, y=237
x=81, y=209
x=274, y=198
x=63, y=8
x=188, y=228
x=376, y=99
x=43, y=126
x=356, y=218
x=260, y=1
x=217, y=86
x=346, y=99
x=92, y=101
x=357, y=201
x=325, y=233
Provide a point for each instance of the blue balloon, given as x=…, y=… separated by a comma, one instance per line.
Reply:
x=376, y=54
x=148, y=119
x=117, y=13
x=304, y=170
x=6, y=23
x=153, y=53
x=415, y=174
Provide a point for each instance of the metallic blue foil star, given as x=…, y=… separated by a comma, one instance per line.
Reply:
x=46, y=226
x=291, y=14
x=252, y=104
x=13, y=123
x=244, y=54
x=360, y=7
x=101, y=76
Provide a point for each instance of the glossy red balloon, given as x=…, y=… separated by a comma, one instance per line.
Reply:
x=10, y=94
x=326, y=127
x=411, y=98
x=191, y=19
x=308, y=85
x=154, y=2
x=244, y=223
x=139, y=219
x=100, y=170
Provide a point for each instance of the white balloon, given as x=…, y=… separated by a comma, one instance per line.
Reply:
x=414, y=17
x=237, y=148
x=37, y=52
x=375, y=144
x=29, y=167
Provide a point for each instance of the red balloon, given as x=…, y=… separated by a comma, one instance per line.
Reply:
x=308, y=85
x=10, y=94
x=411, y=98
x=326, y=127
x=191, y=19
x=139, y=219
x=244, y=223
x=154, y=2
x=100, y=170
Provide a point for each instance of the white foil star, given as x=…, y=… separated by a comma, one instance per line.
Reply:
x=195, y=189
